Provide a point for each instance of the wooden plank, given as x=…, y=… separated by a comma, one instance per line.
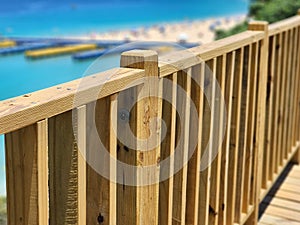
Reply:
x=268, y=154
x=283, y=213
x=293, y=98
x=192, y=206
x=230, y=61
x=113, y=154
x=220, y=73
x=206, y=145
x=98, y=187
x=126, y=195
x=181, y=152
x=283, y=203
x=81, y=140
x=282, y=101
x=260, y=123
x=42, y=170
x=147, y=108
x=234, y=136
x=63, y=167
x=284, y=25
x=27, y=175
x=167, y=148
x=30, y=108
x=285, y=147
x=175, y=62
x=251, y=128
x=279, y=102
x=275, y=81
x=295, y=132
x=271, y=219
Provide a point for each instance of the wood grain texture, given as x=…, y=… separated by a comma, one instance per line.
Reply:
x=177, y=61
x=27, y=175
x=30, y=108
x=167, y=149
x=63, y=170
x=230, y=65
x=197, y=97
x=147, y=108
x=261, y=108
x=81, y=140
x=234, y=136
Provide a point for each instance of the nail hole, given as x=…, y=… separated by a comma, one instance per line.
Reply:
x=100, y=218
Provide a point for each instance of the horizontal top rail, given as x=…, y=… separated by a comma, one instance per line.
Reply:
x=22, y=111
x=284, y=25
x=177, y=61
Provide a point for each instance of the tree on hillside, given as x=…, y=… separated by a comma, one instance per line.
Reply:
x=265, y=10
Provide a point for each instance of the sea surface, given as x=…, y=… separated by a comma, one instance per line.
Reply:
x=34, y=18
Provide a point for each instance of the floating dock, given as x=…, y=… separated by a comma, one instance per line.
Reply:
x=25, y=47
x=60, y=50
x=89, y=54
x=7, y=43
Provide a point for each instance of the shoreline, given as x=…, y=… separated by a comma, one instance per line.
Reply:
x=199, y=31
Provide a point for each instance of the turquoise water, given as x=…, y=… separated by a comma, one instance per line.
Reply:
x=39, y=18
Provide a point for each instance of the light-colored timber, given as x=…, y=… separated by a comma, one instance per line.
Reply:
x=57, y=174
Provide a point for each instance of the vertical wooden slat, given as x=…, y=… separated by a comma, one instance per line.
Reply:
x=27, y=175
x=206, y=147
x=268, y=153
x=251, y=126
x=234, y=136
x=146, y=211
x=113, y=154
x=273, y=128
x=192, y=206
x=287, y=94
x=244, y=135
x=126, y=195
x=296, y=77
x=181, y=158
x=63, y=166
x=167, y=149
x=43, y=188
x=293, y=97
x=97, y=187
x=260, y=124
x=230, y=65
x=296, y=130
x=220, y=70
x=279, y=93
x=81, y=140
x=296, y=157
x=282, y=98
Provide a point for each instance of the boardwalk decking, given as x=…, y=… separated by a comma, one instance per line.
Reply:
x=282, y=204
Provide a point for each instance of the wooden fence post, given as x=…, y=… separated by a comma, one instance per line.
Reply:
x=261, y=111
x=296, y=157
x=144, y=206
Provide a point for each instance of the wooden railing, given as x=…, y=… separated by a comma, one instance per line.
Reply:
x=53, y=161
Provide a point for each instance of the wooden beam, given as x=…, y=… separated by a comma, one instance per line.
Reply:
x=177, y=61
x=30, y=108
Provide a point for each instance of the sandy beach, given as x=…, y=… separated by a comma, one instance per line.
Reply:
x=199, y=31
